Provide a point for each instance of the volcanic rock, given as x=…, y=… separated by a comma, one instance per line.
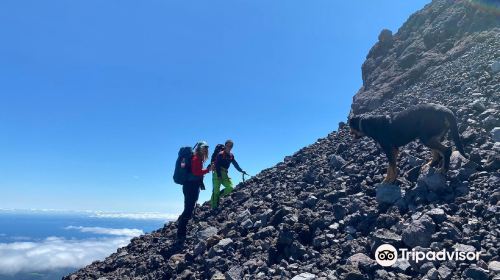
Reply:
x=387, y=193
x=419, y=232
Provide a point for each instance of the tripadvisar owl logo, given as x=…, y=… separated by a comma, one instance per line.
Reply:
x=386, y=255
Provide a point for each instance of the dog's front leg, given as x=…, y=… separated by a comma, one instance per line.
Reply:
x=436, y=159
x=392, y=170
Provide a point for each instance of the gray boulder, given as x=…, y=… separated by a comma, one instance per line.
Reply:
x=360, y=260
x=494, y=266
x=235, y=273
x=457, y=160
x=206, y=233
x=425, y=267
x=495, y=67
x=478, y=106
x=434, y=181
x=402, y=265
x=304, y=276
x=432, y=274
x=437, y=214
x=225, y=243
x=336, y=162
x=464, y=248
x=419, y=232
x=385, y=236
x=444, y=272
x=388, y=193
x=476, y=273
x=311, y=201
x=200, y=248
x=495, y=134
x=247, y=224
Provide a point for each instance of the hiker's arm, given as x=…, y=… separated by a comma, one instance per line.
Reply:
x=198, y=171
x=197, y=168
x=217, y=165
x=206, y=170
x=237, y=166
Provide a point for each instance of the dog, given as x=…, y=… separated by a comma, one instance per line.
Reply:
x=427, y=122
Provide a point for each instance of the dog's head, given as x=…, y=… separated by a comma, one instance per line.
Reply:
x=355, y=127
x=368, y=125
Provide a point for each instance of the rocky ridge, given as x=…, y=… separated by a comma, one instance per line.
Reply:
x=322, y=212
x=442, y=32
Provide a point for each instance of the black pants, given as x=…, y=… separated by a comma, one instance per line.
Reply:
x=191, y=192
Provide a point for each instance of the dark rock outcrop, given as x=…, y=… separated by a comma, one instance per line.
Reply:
x=319, y=214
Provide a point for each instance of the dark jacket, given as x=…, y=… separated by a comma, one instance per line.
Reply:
x=224, y=160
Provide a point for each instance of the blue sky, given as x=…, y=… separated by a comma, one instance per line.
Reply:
x=97, y=96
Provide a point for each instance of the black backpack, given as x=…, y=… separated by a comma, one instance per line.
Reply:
x=183, y=165
x=217, y=150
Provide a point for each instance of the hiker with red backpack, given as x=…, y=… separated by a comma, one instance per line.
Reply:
x=222, y=159
x=189, y=173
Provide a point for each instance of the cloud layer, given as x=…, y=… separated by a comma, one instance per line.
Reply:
x=55, y=253
x=25, y=255
x=137, y=216
x=130, y=232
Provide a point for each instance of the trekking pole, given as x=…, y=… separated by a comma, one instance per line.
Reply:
x=243, y=176
x=346, y=164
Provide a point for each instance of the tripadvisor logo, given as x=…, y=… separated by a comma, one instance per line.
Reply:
x=387, y=255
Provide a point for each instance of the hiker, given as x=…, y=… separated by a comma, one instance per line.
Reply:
x=220, y=175
x=192, y=185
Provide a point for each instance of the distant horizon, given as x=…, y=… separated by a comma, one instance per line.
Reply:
x=99, y=96
x=100, y=214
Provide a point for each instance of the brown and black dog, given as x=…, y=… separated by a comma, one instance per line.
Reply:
x=427, y=122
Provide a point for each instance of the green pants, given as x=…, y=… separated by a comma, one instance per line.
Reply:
x=225, y=181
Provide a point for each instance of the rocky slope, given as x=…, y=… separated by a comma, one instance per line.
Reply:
x=321, y=213
x=442, y=32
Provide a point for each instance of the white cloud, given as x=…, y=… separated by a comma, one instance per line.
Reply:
x=137, y=216
x=130, y=232
x=56, y=253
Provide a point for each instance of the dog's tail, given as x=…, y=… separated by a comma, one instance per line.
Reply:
x=454, y=134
